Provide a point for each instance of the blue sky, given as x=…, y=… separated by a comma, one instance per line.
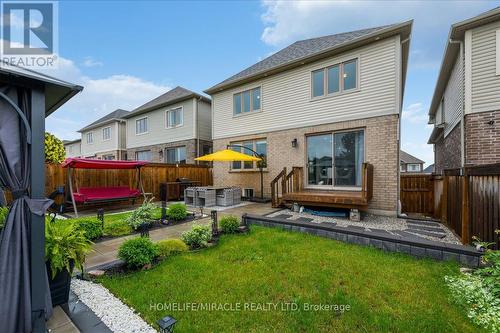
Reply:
x=125, y=53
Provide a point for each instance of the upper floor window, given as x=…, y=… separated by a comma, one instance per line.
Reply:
x=176, y=155
x=106, y=133
x=247, y=101
x=414, y=167
x=174, y=117
x=90, y=137
x=141, y=126
x=334, y=79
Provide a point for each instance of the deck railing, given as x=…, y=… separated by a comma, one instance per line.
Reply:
x=293, y=181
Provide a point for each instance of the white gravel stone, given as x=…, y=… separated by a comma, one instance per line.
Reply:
x=113, y=312
x=369, y=221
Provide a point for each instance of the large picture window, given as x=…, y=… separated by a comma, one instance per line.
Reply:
x=335, y=159
x=143, y=155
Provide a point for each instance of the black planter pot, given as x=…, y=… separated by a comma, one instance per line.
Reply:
x=59, y=285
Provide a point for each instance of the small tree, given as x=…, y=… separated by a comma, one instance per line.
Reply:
x=54, y=149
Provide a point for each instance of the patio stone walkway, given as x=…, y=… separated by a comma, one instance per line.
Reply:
x=106, y=252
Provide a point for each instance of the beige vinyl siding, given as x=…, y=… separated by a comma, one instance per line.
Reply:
x=123, y=135
x=73, y=149
x=286, y=97
x=485, y=84
x=158, y=133
x=453, y=97
x=204, y=121
x=99, y=145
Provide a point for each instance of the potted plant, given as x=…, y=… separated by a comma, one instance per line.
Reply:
x=65, y=248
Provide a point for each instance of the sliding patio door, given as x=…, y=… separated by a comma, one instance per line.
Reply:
x=335, y=159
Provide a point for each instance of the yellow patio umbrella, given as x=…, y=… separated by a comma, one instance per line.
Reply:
x=228, y=155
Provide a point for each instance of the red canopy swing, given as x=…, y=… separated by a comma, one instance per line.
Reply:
x=89, y=195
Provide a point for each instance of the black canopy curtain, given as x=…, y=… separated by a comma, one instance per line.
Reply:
x=15, y=164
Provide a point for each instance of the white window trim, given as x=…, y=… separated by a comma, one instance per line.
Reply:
x=341, y=91
x=103, y=139
x=182, y=117
x=87, y=138
x=147, y=126
x=241, y=91
x=334, y=187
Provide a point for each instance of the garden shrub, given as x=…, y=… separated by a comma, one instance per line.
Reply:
x=229, y=224
x=116, y=228
x=142, y=214
x=138, y=252
x=4, y=211
x=177, y=212
x=197, y=237
x=169, y=247
x=91, y=227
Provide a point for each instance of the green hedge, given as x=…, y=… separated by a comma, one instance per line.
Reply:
x=138, y=252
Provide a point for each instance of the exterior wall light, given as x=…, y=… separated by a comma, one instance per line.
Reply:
x=294, y=143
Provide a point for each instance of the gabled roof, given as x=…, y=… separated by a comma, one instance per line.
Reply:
x=406, y=158
x=457, y=32
x=116, y=115
x=309, y=50
x=176, y=95
x=68, y=142
x=57, y=92
x=429, y=169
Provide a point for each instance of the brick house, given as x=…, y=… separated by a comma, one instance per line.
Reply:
x=465, y=108
x=105, y=137
x=410, y=163
x=172, y=128
x=326, y=105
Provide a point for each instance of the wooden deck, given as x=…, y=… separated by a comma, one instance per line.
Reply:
x=287, y=188
x=341, y=199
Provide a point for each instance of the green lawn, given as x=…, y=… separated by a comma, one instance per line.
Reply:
x=115, y=224
x=385, y=292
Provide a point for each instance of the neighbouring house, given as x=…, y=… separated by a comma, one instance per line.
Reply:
x=465, y=108
x=172, y=128
x=73, y=148
x=105, y=137
x=409, y=163
x=429, y=169
x=328, y=109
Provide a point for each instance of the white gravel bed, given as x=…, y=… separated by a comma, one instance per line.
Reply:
x=369, y=221
x=113, y=312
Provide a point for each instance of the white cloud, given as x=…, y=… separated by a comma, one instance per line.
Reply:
x=415, y=113
x=99, y=97
x=90, y=62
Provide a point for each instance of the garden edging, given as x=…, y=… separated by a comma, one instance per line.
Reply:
x=465, y=255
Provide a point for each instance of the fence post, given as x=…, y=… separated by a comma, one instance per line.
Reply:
x=465, y=207
x=444, y=200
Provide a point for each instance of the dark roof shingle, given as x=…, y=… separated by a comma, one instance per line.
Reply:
x=407, y=158
x=299, y=50
x=175, y=95
x=117, y=114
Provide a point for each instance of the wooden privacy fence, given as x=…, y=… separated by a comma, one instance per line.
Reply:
x=417, y=194
x=152, y=175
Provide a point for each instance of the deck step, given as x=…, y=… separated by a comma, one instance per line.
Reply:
x=426, y=233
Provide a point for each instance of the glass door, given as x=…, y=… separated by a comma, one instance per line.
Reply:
x=319, y=160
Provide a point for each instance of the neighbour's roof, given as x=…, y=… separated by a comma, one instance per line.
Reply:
x=406, y=158
x=311, y=49
x=429, y=169
x=68, y=142
x=57, y=92
x=116, y=115
x=457, y=32
x=176, y=95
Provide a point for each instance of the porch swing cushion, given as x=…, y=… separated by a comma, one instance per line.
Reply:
x=92, y=194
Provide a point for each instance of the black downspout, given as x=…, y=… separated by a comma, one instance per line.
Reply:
x=261, y=168
x=37, y=191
